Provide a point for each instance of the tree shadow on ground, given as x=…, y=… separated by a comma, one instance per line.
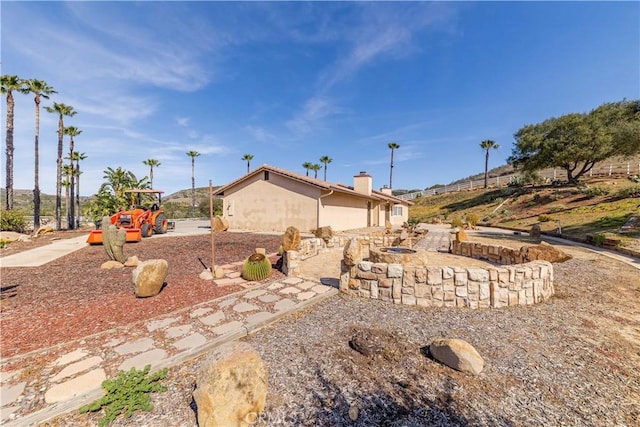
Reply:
x=480, y=199
x=399, y=404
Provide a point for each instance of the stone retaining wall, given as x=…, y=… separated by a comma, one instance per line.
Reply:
x=471, y=287
x=492, y=253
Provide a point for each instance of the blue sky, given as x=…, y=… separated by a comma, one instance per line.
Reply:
x=291, y=82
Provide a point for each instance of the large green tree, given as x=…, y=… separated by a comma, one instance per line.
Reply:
x=152, y=163
x=61, y=110
x=247, y=158
x=111, y=196
x=326, y=160
x=9, y=85
x=575, y=142
x=193, y=154
x=72, y=131
x=39, y=89
x=487, y=145
x=393, y=146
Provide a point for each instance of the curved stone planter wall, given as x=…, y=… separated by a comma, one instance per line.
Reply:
x=473, y=287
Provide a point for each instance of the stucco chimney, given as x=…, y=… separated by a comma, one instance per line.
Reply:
x=363, y=183
x=386, y=190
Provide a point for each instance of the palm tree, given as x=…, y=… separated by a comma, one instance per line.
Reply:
x=326, y=160
x=77, y=157
x=394, y=146
x=72, y=131
x=308, y=166
x=315, y=168
x=151, y=163
x=66, y=183
x=9, y=84
x=41, y=90
x=248, y=158
x=487, y=145
x=61, y=110
x=193, y=155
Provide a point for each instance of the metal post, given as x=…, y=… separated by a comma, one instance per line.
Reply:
x=554, y=174
x=628, y=168
x=213, y=232
x=610, y=169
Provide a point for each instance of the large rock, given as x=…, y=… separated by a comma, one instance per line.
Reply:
x=544, y=252
x=352, y=252
x=111, y=264
x=291, y=239
x=148, y=277
x=219, y=224
x=324, y=233
x=231, y=387
x=457, y=354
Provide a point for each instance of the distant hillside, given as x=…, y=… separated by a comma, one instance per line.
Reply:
x=184, y=196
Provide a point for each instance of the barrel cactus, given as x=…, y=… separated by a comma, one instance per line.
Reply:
x=256, y=267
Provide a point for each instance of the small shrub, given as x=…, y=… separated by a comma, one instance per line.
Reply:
x=629, y=192
x=127, y=393
x=635, y=178
x=556, y=208
x=591, y=192
x=598, y=239
x=536, y=197
x=472, y=219
x=544, y=218
x=12, y=221
x=456, y=222
x=505, y=212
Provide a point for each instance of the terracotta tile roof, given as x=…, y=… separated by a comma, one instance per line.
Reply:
x=375, y=195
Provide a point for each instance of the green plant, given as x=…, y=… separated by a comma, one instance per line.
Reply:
x=556, y=208
x=456, y=222
x=4, y=243
x=127, y=393
x=12, y=221
x=472, y=219
x=256, y=267
x=629, y=192
x=591, y=192
x=113, y=240
x=545, y=218
x=598, y=239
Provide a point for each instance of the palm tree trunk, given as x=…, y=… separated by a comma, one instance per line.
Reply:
x=78, y=192
x=325, y=171
x=36, y=174
x=71, y=215
x=193, y=187
x=10, y=150
x=391, y=171
x=486, y=169
x=248, y=166
x=59, y=175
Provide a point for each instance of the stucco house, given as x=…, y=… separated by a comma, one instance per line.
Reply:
x=272, y=199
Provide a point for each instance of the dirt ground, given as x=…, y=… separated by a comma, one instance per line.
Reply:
x=572, y=360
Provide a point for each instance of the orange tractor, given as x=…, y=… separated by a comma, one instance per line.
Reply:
x=140, y=221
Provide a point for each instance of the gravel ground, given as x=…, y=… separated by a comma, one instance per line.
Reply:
x=570, y=361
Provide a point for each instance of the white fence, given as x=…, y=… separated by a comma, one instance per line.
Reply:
x=599, y=170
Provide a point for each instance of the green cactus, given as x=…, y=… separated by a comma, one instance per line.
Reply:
x=256, y=267
x=113, y=240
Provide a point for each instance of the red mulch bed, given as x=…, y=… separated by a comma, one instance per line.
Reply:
x=72, y=297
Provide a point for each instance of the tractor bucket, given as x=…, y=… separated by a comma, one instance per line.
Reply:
x=133, y=235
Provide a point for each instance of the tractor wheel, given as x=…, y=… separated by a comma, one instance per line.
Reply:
x=161, y=224
x=146, y=230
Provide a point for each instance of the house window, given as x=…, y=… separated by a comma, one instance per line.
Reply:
x=266, y=175
x=397, y=211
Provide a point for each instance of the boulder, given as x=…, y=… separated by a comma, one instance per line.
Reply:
x=132, y=261
x=231, y=388
x=457, y=354
x=324, y=233
x=352, y=252
x=535, y=231
x=12, y=236
x=544, y=252
x=461, y=235
x=218, y=224
x=108, y=265
x=44, y=230
x=208, y=275
x=148, y=277
x=291, y=239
